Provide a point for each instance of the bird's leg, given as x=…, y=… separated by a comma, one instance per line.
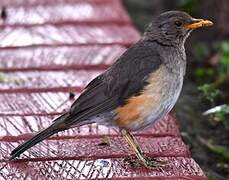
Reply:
x=133, y=144
x=147, y=162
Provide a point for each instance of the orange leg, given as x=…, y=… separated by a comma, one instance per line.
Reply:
x=147, y=162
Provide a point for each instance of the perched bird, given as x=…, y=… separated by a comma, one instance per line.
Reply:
x=141, y=87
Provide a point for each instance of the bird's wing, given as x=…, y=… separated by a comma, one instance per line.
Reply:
x=122, y=80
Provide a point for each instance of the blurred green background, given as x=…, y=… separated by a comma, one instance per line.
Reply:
x=206, y=85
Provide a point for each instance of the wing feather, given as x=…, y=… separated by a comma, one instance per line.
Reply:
x=123, y=79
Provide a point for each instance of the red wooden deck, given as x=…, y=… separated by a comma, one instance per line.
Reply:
x=50, y=49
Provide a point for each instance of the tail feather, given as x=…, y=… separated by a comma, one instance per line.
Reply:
x=54, y=128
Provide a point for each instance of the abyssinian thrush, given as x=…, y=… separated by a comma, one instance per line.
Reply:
x=141, y=87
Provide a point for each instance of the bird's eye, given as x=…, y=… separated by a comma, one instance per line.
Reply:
x=178, y=23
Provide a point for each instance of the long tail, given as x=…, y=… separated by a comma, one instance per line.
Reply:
x=57, y=126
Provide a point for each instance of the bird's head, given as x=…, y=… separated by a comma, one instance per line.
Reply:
x=173, y=27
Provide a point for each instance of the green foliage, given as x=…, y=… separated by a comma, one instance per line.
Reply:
x=210, y=177
x=190, y=6
x=222, y=116
x=204, y=74
x=209, y=93
x=223, y=111
x=225, y=46
x=216, y=57
x=224, y=60
x=201, y=51
x=219, y=150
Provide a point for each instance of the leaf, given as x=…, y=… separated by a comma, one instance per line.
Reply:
x=225, y=46
x=225, y=109
x=225, y=60
x=209, y=93
x=222, y=108
x=220, y=150
x=199, y=72
x=201, y=51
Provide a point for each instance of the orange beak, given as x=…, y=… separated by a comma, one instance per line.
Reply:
x=197, y=23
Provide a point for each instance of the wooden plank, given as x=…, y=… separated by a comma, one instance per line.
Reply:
x=36, y=103
x=83, y=12
x=68, y=34
x=50, y=2
x=59, y=57
x=85, y=148
x=15, y=128
x=179, y=168
x=43, y=81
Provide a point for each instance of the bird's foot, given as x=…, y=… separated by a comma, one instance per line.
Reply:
x=148, y=162
x=153, y=163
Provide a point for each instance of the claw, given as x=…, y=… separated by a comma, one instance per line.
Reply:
x=150, y=163
x=154, y=163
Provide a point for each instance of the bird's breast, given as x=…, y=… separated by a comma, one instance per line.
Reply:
x=155, y=100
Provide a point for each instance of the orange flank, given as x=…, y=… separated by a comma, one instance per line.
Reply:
x=139, y=107
x=130, y=111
